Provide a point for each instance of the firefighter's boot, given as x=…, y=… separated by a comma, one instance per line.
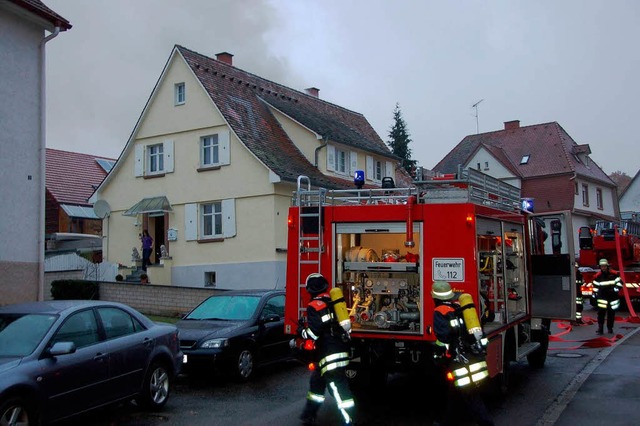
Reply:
x=599, y=330
x=308, y=416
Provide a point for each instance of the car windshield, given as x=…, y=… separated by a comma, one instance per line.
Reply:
x=230, y=308
x=20, y=334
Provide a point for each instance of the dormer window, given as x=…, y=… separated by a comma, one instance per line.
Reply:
x=525, y=159
x=180, y=94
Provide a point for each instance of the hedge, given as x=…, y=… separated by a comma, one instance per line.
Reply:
x=75, y=290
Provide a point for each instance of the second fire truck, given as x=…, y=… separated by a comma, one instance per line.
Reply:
x=384, y=247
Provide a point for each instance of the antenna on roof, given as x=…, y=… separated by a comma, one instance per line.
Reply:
x=476, y=107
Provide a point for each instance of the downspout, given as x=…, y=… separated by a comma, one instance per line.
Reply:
x=43, y=157
x=317, y=151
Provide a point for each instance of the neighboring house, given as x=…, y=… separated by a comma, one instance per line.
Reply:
x=548, y=166
x=23, y=24
x=70, y=221
x=212, y=163
x=630, y=199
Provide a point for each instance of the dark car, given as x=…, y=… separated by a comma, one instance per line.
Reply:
x=62, y=358
x=235, y=331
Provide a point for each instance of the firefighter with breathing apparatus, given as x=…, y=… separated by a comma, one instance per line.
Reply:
x=327, y=327
x=461, y=350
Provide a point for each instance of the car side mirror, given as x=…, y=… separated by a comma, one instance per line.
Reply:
x=62, y=348
x=270, y=318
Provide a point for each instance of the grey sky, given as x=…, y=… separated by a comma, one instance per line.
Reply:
x=575, y=62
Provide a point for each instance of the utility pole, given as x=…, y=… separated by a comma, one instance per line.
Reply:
x=476, y=107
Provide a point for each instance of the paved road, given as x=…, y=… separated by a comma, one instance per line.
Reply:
x=579, y=362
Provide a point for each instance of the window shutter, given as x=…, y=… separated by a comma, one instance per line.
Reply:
x=331, y=158
x=229, y=218
x=389, y=171
x=353, y=158
x=138, y=167
x=370, y=168
x=168, y=156
x=223, y=148
x=190, y=222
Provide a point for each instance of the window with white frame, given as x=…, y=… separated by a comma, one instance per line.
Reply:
x=180, y=94
x=599, y=198
x=377, y=170
x=342, y=162
x=155, y=158
x=210, y=150
x=585, y=195
x=211, y=220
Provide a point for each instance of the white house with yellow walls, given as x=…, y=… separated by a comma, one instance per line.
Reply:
x=210, y=168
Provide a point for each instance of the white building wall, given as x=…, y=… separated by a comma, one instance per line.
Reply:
x=20, y=166
x=491, y=166
x=608, y=198
x=630, y=200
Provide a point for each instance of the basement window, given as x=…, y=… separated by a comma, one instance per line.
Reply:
x=210, y=279
x=525, y=159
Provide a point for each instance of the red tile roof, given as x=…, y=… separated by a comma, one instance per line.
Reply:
x=71, y=177
x=549, y=146
x=246, y=101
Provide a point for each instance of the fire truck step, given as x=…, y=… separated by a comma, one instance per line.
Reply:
x=527, y=348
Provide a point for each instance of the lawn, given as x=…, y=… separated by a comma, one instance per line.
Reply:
x=158, y=318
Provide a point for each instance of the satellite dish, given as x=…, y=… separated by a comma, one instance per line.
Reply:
x=101, y=209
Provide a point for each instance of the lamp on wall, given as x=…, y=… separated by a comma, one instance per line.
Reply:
x=137, y=223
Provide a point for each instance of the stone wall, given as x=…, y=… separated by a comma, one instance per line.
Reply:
x=155, y=299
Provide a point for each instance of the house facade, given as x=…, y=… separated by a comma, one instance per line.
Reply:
x=630, y=199
x=547, y=164
x=210, y=169
x=24, y=24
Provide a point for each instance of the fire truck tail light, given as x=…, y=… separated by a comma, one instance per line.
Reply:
x=469, y=219
x=290, y=221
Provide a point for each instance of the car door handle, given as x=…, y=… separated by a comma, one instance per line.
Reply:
x=147, y=342
x=100, y=357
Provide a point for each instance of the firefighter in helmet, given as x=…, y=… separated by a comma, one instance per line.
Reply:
x=460, y=350
x=606, y=288
x=579, y=299
x=332, y=353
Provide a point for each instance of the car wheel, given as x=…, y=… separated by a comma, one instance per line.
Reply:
x=245, y=364
x=16, y=411
x=156, y=387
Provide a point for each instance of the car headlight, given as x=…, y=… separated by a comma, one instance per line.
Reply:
x=215, y=344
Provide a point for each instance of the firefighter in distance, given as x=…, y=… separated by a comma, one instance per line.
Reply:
x=579, y=299
x=331, y=340
x=606, y=288
x=461, y=350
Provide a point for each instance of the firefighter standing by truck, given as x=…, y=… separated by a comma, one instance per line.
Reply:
x=579, y=299
x=461, y=351
x=332, y=352
x=606, y=288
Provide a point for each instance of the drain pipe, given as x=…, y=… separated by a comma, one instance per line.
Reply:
x=317, y=151
x=43, y=159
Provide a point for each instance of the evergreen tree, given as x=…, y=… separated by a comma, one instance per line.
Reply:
x=399, y=141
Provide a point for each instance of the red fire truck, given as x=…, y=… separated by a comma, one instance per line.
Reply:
x=600, y=243
x=385, y=247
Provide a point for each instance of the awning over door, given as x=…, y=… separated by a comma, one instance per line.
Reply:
x=81, y=212
x=149, y=205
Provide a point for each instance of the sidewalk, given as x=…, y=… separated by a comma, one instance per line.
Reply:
x=607, y=390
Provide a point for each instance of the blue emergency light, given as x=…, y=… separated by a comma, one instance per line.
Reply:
x=527, y=205
x=358, y=178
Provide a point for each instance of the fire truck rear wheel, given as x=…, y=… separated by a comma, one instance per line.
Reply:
x=537, y=358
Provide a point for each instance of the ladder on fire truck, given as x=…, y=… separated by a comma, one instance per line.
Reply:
x=310, y=236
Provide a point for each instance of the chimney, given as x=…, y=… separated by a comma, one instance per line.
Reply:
x=313, y=91
x=511, y=125
x=225, y=57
